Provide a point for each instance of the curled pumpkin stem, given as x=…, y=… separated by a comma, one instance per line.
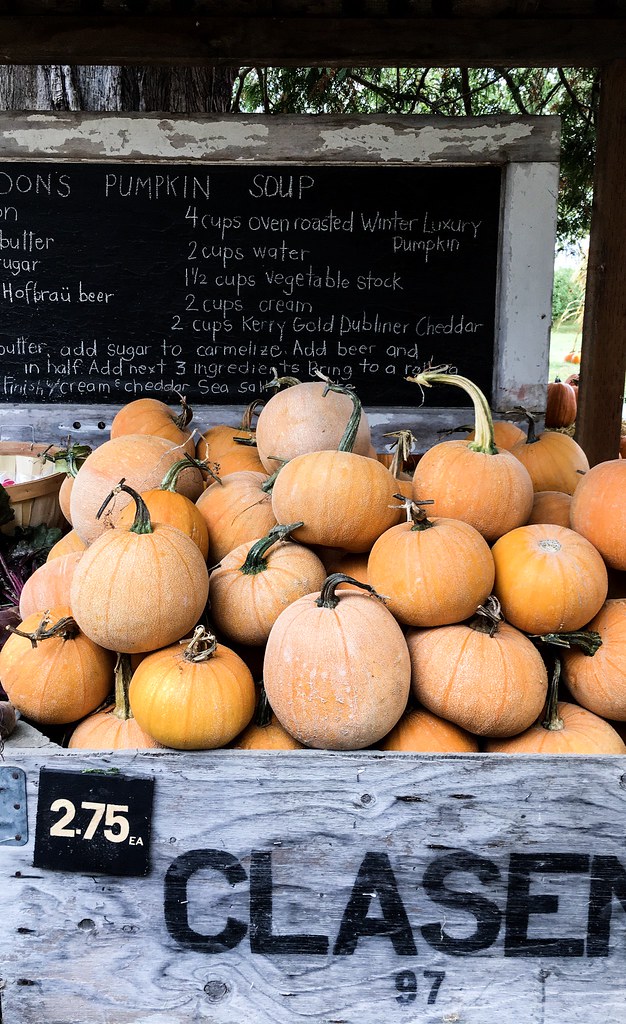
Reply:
x=280, y=382
x=328, y=598
x=588, y=640
x=484, y=436
x=201, y=647
x=256, y=561
x=65, y=628
x=185, y=415
x=488, y=616
x=141, y=522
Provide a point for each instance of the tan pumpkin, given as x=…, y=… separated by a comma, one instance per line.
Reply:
x=151, y=416
x=599, y=682
x=485, y=675
x=549, y=579
x=194, y=695
x=265, y=731
x=473, y=480
x=304, y=418
x=598, y=510
x=53, y=673
x=142, y=460
x=67, y=545
x=139, y=589
x=337, y=669
x=555, y=461
x=113, y=728
x=49, y=585
x=561, y=404
x=257, y=580
x=432, y=571
x=420, y=731
x=550, y=507
x=232, y=449
x=237, y=508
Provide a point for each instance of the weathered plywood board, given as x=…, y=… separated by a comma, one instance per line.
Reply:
x=330, y=887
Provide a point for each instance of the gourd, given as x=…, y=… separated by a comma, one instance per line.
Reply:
x=139, y=589
x=113, y=728
x=473, y=480
x=336, y=668
x=193, y=695
x=598, y=510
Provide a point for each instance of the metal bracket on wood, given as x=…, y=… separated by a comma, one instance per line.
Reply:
x=13, y=816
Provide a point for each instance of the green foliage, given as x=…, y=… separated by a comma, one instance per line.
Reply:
x=567, y=293
x=571, y=93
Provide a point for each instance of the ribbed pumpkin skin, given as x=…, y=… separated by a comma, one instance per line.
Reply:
x=245, y=607
x=344, y=500
x=49, y=585
x=151, y=416
x=142, y=460
x=493, y=493
x=505, y=434
x=58, y=681
x=266, y=737
x=337, y=678
x=105, y=731
x=302, y=419
x=420, y=731
x=548, y=579
x=599, y=510
x=561, y=406
x=171, y=509
x=66, y=545
x=554, y=461
x=235, y=511
x=599, y=682
x=488, y=685
x=138, y=592
x=432, y=577
x=192, y=706
x=583, y=733
x=551, y=507
x=217, y=445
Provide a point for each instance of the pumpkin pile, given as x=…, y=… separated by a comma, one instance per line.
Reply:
x=286, y=586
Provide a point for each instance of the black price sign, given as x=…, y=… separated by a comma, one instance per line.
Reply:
x=93, y=822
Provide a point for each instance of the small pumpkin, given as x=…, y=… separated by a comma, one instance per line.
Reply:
x=598, y=683
x=550, y=507
x=561, y=404
x=113, y=727
x=233, y=449
x=265, y=731
x=598, y=510
x=420, y=731
x=193, y=695
x=555, y=461
x=151, y=416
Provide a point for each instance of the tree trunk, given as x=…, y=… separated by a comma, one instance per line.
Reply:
x=185, y=90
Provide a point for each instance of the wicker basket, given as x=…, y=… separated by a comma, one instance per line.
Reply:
x=35, y=494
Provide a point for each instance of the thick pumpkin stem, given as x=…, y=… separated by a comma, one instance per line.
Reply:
x=250, y=412
x=267, y=485
x=531, y=436
x=65, y=629
x=255, y=559
x=280, y=382
x=551, y=718
x=329, y=599
x=170, y=479
x=488, y=616
x=484, y=436
x=141, y=522
x=588, y=640
x=263, y=713
x=349, y=435
x=73, y=456
x=123, y=676
x=201, y=647
x=185, y=415
x=415, y=514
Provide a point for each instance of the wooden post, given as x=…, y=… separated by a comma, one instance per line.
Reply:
x=603, y=360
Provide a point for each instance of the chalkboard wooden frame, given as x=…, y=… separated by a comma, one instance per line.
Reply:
x=525, y=148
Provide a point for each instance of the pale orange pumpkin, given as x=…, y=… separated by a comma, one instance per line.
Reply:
x=485, y=676
x=233, y=449
x=337, y=669
x=68, y=544
x=505, y=434
x=473, y=480
x=598, y=510
x=599, y=682
x=307, y=418
x=193, y=695
x=420, y=731
x=549, y=579
x=151, y=416
x=113, y=728
x=257, y=580
x=265, y=731
x=49, y=585
x=555, y=461
x=52, y=672
x=432, y=571
x=139, y=589
x=237, y=508
x=348, y=563
x=550, y=507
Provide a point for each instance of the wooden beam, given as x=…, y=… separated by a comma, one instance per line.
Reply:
x=603, y=360
x=302, y=41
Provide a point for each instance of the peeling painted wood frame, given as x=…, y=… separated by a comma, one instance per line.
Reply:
x=527, y=149
x=528, y=852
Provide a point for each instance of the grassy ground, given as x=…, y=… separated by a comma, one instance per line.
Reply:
x=561, y=343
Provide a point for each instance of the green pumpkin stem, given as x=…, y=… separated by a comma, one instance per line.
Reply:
x=551, y=719
x=531, y=436
x=65, y=629
x=201, y=647
x=349, y=435
x=588, y=640
x=328, y=598
x=255, y=559
x=280, y=382
x=123, y=676
x=488, y=616
x=141, y=522
x=263, y=713
x=267, y=485
x=484, y=437
x=170, y=479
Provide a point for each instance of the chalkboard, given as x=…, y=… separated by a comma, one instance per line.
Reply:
x=131, y=279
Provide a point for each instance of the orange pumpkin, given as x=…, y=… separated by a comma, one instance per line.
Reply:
x=561, y=404
x=420, y=731
x=49, y=585
x=304, y=418
x=232, y=448
x=151, y=416
x=52, y=672
x=554, y=460
x=549, y=579
x=432, y=572
x=236, y=508
x=550, y=507
x=68, y=544
x=505, y=434
x=599, y=682
x=352, y=564
x=139, y=589
x=113, y=728
x=472, y=480
x=485, y=676
x=257, y=580
x=265, y=731
x=598, y=510
x=193, y=695
x=337, y=669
